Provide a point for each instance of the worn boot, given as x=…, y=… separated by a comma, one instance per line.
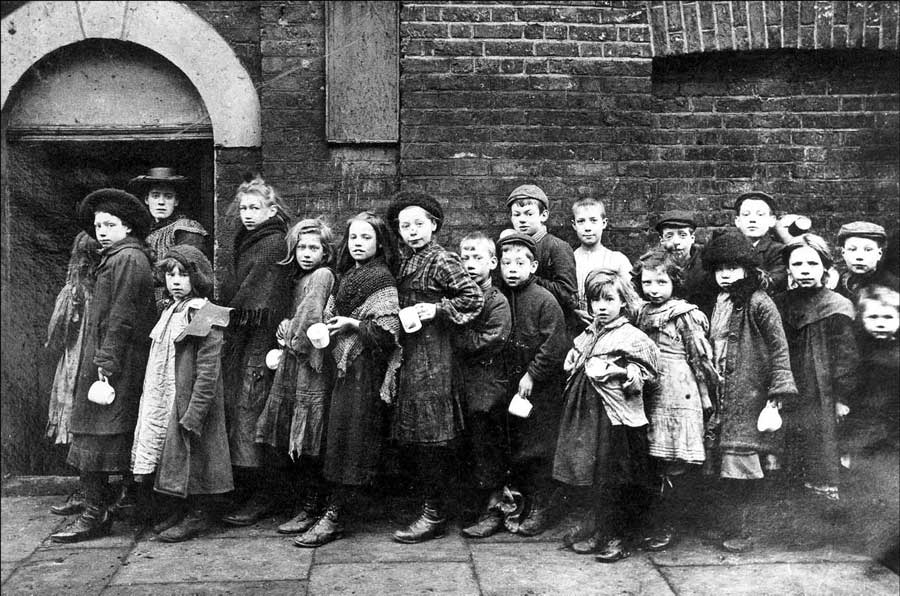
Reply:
x=193, y=524
x=539, y=516
x=94, y=522
x=74, y=504
x=169, y=511
x=490, y=522
x=125, y=501
x=431, y=524
x=327, y=529
x=310, y=511
x=257, y=507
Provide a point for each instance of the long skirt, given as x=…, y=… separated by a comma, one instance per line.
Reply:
x=101, y=453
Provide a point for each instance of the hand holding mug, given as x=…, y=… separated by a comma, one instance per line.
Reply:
x=341, y=324
x=426, y=310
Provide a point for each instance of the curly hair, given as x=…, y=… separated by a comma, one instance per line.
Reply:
x=310, y=226
x=606, y=281
x=659, y=259
x=270, y=197
x=384, y=240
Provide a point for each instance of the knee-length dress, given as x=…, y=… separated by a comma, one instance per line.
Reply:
x=429, y=408
x=676, y=399
x=366, y=363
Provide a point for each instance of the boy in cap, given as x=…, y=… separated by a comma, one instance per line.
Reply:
x=862, y=245
x=589, y=221
x=534, y=354
x=754, y=217
x=529, y=209
x=676, y=235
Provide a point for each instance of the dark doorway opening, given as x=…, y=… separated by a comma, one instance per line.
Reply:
x=46, y=180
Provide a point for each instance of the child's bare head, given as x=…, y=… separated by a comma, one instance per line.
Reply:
x=659, y=276
x=589, y=221
x=609, y=295
x=478, y=255
x=754, y=214
x=878, y=308
x=808, y=260
x=301, y=243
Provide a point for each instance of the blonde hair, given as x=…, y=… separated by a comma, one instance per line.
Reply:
x=482, y=239
x=310, y=226
x=880, y=294
x=600, y=280
x=588, y=202
x=267, y=192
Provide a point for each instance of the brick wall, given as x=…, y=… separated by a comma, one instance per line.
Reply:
x=494, y=96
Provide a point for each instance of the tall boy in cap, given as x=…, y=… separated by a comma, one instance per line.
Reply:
x=116, y=343
x=754, y=217
x=862, y=245
x=676, y=235
x=534, y=353
x=529, y=209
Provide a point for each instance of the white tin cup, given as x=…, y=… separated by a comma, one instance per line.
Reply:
x=519, y=406
x=409, y=319
x=318, y=335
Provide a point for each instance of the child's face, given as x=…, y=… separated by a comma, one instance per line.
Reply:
x=656, y=284
x=677, y=241
x=161, y=200
x=362, y=241
x=254, y=211
x=517, y=265
x=754, y=219
x=477, y=260
x=805, y=267
x=861, y=254
x=178, y=283
x=416, y=227
x=109, y=229
x=726, y=275
x=527, y=216
x=607, y=307
x=880, y=320
x=309, y=252
x=589, y=223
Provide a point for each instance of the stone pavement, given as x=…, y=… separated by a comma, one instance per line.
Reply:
x=256, y=560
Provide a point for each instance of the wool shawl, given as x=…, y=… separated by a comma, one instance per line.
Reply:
x=259, y=292
x=370, y=293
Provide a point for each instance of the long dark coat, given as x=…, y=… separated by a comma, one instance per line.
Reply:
x=117, y=338
x=195, y=458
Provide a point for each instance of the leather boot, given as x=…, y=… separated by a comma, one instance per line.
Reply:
x=173, y=513
x=327, y=529
x=257, y=507
x=92, y=523
x=490, y=522
x=74, y=504
x=431, y=524
x=310, y=511
x=539, y=517
x=193, y=524
x=614, y=550
x=125, y=502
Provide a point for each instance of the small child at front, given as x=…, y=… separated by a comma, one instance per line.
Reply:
x=677, y=400
x=180, y=434
x=818, y=324
x=529, y=210
x=603, y=430
x=751, y=354
x=479, y=350
x=293, y=419
x=534, y=356
x=589, y=221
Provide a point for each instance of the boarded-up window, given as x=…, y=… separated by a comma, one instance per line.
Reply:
x=362, y=72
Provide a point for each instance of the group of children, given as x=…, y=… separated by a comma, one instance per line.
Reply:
x=579, y=377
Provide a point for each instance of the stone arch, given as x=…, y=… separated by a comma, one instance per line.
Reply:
x=168, y=28
x=693, y=27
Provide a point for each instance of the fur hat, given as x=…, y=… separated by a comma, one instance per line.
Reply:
x=123, y=205
x=730, y=248
x=196, y=265
x=164, y=176
x=412, y=198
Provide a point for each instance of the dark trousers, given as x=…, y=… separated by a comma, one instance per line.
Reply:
x=488, y=448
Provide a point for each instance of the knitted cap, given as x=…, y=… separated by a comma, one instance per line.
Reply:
x=411, y=198
x=862, y=229
x=729, y=248
x=123, y=205
x=528, y=191
x=196, y=265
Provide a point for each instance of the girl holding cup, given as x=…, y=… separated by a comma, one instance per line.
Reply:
x=293, y=419
x=361, y=317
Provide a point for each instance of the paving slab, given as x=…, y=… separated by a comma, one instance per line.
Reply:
x=693, y=551
x=378, y=579
x=6, y=569
x=25, y=522
x=274, y=588
x=66, y=571
x=507, y=569
x=123, y=535
x=266, y=527
x=373, y=544
x=833, y=579
x=214, y=561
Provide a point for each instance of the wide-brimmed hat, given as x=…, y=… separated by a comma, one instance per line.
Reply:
x=160, y=175
x=196, y=265
x=730, y=248
x=412, y=198
x=123, y=205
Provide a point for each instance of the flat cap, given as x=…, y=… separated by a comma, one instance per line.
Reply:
x=755, y=195
x=676, y=218
x=862, y=229
x=528, y=191
x=518, y=238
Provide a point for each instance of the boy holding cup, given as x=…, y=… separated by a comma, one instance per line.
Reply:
x=534, y=353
